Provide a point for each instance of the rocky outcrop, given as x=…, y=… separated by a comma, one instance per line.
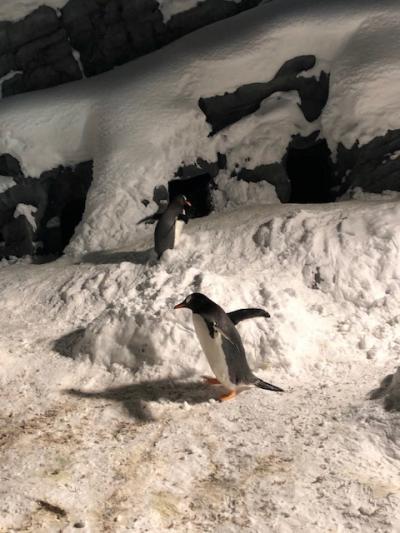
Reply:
x=37, y=49
x=87, y=37
x=374, y=167
x=56, y=201
x=224, y=110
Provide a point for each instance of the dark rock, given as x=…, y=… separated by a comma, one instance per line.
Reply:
x=59, y=193
x=7, y=64
x=204, y=13
x=222, y=111
x=43, y=21
x=75, y=10
x=273, y=173
x=9, y=166
x=18, y=237
x=43, y=51
x=5, y=45
x=116, y=45
x=374, y=167
x=14, y=85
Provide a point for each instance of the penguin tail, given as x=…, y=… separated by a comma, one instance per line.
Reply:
x=266, y=386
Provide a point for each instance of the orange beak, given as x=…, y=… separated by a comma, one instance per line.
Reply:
x=180, y=306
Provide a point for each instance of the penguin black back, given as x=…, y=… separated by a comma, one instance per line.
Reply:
x=165, y=231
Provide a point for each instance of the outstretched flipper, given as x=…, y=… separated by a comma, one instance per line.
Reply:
x=150, y=219
x=183, y=217
x=244, y=314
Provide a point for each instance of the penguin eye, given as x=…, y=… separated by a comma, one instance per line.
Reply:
x=188, y=299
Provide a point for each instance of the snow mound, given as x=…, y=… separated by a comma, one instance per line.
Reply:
x=329, y=279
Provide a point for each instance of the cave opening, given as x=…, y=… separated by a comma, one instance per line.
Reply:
x=309, y=169
x=197, y=190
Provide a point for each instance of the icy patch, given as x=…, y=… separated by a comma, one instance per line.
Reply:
x=6, y=182
x=13, y=10
x=169, y=8
x=26, y=211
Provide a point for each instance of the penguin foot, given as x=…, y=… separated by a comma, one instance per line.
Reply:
x=231, y=394
x=210, y=381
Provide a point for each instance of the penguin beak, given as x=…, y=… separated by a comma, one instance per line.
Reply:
x=188, y=203
x=180, y=306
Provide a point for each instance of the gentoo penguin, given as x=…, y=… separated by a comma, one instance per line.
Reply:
x=222, y=344
x=169, y=224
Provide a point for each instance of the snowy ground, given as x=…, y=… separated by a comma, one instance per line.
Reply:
x=105, y=425
x=149, y=449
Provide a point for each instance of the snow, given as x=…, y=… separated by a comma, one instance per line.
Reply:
x=171, y=7
x=104, y=417
x=6, y=182
x=103, y=413
x=13, y=10
x=26, y=211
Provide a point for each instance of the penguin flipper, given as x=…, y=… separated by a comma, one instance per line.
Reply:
x=150, y=219
x=266, y=386
x=183, y=217
x=244, y=314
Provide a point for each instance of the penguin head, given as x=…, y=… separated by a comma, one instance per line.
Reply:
x=196, y=302
x=181, y=201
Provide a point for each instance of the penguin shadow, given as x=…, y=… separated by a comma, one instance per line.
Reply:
x=387, y=392
x=135, y=397
x=102, y=257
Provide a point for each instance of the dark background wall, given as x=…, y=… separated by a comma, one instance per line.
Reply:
x=86, y=37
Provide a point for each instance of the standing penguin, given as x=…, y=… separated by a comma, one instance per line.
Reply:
x=169, y=224
x=222, y=344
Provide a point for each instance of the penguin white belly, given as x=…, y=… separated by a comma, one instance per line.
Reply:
x=178, y=230
x=212, y=347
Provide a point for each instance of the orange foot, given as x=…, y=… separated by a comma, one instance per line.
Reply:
x=211, y=381
x=231, y=394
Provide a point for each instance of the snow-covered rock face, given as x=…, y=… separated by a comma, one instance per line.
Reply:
x=287, y=80
x=50, y=42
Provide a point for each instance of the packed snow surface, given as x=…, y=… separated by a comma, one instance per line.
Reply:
x=141, y=121
x=104, y=423
x=13, y=10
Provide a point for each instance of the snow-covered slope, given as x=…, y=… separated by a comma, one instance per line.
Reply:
x=141, y=121
x=146, y=449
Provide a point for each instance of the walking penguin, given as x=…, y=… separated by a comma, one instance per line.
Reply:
x=169, y=224
x=222, y=344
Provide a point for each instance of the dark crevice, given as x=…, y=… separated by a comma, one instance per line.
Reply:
x=309, y=169
x=197, y=190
